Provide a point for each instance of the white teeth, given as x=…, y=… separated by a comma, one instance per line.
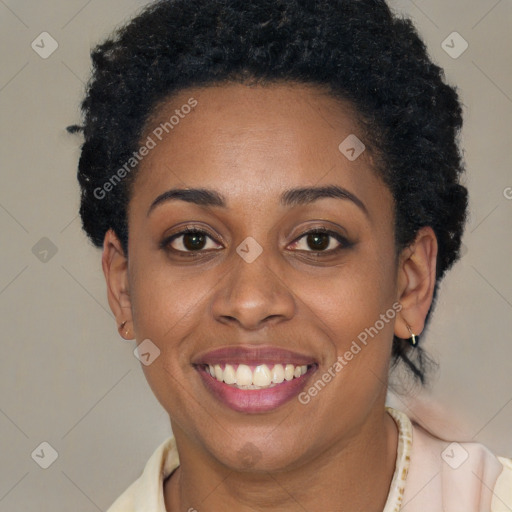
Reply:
x=289, y=371
x=218, y=372
x=229, y=375
x=262, y=376
x=243, y=375
x=278, y=373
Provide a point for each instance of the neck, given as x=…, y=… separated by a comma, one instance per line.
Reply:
x=354, y=474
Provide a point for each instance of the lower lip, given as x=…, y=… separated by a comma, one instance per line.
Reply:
x=255, y=400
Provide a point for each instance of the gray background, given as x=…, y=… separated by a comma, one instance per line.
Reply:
x=68, y=379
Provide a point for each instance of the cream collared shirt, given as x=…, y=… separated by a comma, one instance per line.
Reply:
x=430, y=475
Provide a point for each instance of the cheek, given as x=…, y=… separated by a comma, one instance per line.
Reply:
x=353, y=297
x=167, y=309
x=355, y=307
x=164, y=299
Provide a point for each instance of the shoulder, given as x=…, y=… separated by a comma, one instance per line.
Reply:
x=146, y=493
x=502, y=495
x=454, y=476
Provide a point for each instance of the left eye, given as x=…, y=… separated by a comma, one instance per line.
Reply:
x=321, y=241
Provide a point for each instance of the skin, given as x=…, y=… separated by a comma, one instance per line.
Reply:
x=250, y=144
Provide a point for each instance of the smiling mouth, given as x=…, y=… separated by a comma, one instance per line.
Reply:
x=258, y=376
x=254, y=379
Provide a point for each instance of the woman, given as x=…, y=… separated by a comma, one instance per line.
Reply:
x=275, y=185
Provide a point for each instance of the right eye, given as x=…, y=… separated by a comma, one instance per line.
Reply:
x=189, y=240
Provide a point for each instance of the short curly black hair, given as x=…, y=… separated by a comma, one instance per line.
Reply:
x=358, y=49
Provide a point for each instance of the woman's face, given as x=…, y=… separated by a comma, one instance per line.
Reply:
x=253, y=284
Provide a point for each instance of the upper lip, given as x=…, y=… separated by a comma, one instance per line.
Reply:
x=260, y=354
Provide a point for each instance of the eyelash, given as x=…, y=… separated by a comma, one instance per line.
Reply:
x=344, y=243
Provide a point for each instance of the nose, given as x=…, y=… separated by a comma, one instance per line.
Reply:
x=253, y=295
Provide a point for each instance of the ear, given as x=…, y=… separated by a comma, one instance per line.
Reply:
x=115, y=268
x=416, y=282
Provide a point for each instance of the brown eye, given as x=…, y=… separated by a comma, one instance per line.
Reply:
x=318, y=241
x=194, y=241
x=189, y=240
x=321, y=241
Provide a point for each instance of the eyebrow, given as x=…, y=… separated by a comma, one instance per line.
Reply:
x=293, y=197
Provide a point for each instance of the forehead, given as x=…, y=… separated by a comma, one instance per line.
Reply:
x=252, y=142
